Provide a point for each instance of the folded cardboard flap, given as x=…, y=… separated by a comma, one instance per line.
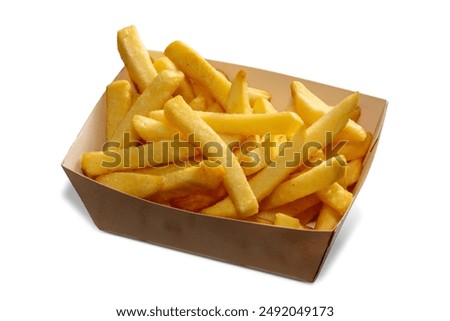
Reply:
x=293, y=253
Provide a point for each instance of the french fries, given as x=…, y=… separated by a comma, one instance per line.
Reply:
x=135, y=184
x=119, y=97
x=311, y=108
x=135, y=57
x=283, y=122
x=238, y=101
x=306, y=183
x=235, y=181
x=200, y=142
x=154, y=96
x=197, y=68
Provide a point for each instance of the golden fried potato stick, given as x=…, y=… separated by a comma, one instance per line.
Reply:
x=311, y=108
x=284, y=220
x=119, y=97
x=336, y=197
x=353, y=173
x=334, y=120
x=198, y=69
x=356, y=114
x=262, y=106
x=328, y=218
x=354, y=150
x=238, y=101
x=284, y=122
x=189, y=122
x=263, y=217
x=206, y=175
x=298, y=206
x=113, y=159
x=150, y=129
x=139, y=185
x=153, y=98
x=198, y=103
x=306, y=183
x=135, y=57
x=185, y=89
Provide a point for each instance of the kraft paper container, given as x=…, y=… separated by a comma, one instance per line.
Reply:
x=297, y=254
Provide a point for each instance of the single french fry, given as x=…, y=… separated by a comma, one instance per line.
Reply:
x=264, y=217
x=298, y=206
x=263, y=106
x=135, y=57
x=156, y=127
x=328, y=218
x=113, y=159
x=306, y=183
x=353, y=173
x=286, y=122
x=306, y=104
x=135, y=184
x=188, y=121
x=287, y=221
x=254, y=93
x=198, y=69
x=332, y=121
x=206, y=175
x=354, y=150
x=311, y=108
x=214, y=108
x=198, y=103
x=153, y=98
x=238, y=101
x=118, y=99
x=158, y=115
x=185, y=89
x=163, y=63
x=336, y=197
x=356, y=114
x=263, y=182
x=150, y=129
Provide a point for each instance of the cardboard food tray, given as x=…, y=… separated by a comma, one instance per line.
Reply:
x=293, y=253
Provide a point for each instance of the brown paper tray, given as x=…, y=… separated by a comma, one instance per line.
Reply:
x=297, y=254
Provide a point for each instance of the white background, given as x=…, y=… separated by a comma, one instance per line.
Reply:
x=390, y=260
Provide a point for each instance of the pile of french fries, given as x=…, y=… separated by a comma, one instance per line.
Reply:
x=180, y=133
